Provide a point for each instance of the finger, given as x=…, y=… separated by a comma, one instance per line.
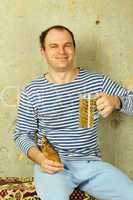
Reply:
x=52, y=172
x=54, y=164
x=100, y=107
x=104, y=113
x=50, y=169
x=99, y=95
x=100, y=101
x=47, y=171
x=57, y=164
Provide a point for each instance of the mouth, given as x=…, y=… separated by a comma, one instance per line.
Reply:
x=61, y=58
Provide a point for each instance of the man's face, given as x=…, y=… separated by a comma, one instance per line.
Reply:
x=59, y=50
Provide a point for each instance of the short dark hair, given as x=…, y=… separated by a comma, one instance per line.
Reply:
x=58, y=27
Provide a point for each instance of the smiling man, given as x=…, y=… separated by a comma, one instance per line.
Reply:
x=49, y=106
x=59, y=51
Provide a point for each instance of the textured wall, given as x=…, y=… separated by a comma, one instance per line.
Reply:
x=103, y=31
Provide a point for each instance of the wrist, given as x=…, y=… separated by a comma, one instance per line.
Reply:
x=118, y=104
x=36, y=155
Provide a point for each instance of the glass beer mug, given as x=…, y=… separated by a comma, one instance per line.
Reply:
x=87, y=109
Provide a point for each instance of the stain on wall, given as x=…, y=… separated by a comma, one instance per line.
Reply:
x=103, y=32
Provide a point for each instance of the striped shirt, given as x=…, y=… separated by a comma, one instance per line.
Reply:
x=53, y=109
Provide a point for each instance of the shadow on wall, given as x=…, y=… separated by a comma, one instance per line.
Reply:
x=91, y=54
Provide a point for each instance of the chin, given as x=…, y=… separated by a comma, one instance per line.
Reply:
x=61, y=66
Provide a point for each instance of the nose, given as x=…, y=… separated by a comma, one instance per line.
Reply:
x=61, y=50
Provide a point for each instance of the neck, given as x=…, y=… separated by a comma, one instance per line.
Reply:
x=62, y=77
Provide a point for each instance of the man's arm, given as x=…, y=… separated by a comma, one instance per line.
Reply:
x=114, y=97
x=26, y=126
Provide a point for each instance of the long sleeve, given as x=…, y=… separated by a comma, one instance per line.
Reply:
x=26, y=124
x=125, y=95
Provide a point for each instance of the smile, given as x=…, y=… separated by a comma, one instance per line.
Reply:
x=63, y=58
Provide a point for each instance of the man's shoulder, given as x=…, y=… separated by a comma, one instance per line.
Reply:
x=34, y=84
x=91, y=74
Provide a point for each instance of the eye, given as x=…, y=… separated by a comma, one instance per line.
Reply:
x=68, y=45
x=53, y=46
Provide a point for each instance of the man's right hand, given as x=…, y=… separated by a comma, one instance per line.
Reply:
x=47, y=166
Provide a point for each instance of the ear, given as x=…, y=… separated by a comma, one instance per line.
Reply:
x=42, y=51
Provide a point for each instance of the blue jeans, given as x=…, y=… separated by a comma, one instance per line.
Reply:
x=98, y=178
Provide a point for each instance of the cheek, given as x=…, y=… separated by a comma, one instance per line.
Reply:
x=49, y=55
x=71, y=53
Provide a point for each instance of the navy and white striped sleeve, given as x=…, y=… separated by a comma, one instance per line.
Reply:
x=125, y=95
x=26, y=124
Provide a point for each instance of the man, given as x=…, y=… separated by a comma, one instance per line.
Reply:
x=50, y=105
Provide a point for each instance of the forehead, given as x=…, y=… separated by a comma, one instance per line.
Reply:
x=57, y=35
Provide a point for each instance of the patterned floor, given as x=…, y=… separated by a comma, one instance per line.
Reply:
x=22, y=188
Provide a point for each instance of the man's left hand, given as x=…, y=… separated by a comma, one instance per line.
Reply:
x=106, y=104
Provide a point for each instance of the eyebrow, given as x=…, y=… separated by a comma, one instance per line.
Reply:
x=68, y=43
x=50, y=44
